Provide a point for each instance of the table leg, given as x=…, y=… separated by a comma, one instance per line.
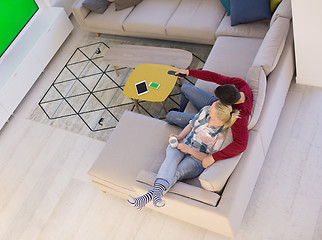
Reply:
x=136, y=105
x=115, y=69
x=178, y=87
x=164, y=107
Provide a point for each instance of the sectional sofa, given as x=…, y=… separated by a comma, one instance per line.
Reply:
x=260, y=52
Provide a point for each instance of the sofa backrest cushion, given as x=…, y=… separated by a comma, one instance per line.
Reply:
x=215, y=177
x=123, y=4
x=257, y=29
x=256, y=79
x=97, y=6
x=284, y=9
x=272, y=45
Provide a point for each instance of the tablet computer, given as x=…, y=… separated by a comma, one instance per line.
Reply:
x=141, y=88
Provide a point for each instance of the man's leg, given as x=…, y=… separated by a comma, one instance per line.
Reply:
x=198, y=97
x=179, y=118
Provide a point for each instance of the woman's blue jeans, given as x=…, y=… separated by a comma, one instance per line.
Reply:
x=177, y=166
x=199, y=98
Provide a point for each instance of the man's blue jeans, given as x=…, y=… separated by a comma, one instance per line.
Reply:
x=199, y=98
x=177, y=166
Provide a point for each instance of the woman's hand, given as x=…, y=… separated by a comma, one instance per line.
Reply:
x=184, y=148
x=207, y=161
x=176, y=136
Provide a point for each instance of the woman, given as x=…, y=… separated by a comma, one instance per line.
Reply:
x=200, y=138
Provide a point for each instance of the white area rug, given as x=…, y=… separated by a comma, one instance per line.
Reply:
x=86, y=96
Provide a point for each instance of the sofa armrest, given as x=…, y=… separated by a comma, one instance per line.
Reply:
x=80, y=12
x=180, y=188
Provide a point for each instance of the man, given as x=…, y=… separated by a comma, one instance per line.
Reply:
x=232, y=91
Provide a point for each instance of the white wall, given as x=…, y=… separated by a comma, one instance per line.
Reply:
x=307, y=22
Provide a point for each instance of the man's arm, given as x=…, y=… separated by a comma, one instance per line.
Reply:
x=239, y=144
x=211, y=76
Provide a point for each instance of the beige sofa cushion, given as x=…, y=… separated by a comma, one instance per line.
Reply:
x=151, y=16
x=196, y=19
x=256, y=29
x=284, y=9
x=118, y=165
x=256, y=80
x=182, y=189
x=123, y=4
x=272, y=45
x=110, y=19
x=232, y=56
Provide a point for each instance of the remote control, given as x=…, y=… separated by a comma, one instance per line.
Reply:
x=178, y=75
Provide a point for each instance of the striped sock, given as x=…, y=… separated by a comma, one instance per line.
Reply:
x=140, y=202
x=159, y=189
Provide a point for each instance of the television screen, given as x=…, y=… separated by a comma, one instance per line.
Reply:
x=14, y=15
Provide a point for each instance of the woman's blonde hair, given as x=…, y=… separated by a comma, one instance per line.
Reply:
x=226, y=114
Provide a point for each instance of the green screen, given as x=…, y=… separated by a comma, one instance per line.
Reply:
x=14, y=15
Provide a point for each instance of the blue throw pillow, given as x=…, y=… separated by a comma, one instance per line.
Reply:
x=226, y=4
x=244, y=11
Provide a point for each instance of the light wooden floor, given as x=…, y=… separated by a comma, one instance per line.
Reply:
x=45, y=192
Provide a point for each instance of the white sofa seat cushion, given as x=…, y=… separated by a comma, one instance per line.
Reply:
x=232, y=56
x=151, y=16
x=129, y=149
x=197, y=19
x=284, y=9
x=256, y=29
x=256, y=79
x=110, y=19
x=182, y=189
x=272, y=45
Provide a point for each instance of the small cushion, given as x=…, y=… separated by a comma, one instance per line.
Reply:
x=244, y=11
x=97, y=6
x=123, y=4
x=215, y=177
x=273, y=4
x=226, y=4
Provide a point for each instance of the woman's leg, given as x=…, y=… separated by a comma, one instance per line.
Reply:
x=166, y=175
x=141, y=201
x=188, y=168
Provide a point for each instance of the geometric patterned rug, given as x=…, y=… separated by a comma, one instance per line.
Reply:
x=86, y=96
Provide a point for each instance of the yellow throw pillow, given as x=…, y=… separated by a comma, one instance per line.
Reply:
x=273, y=4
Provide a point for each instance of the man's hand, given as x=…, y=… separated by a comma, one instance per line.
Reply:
x=182, y=71
x=207, y=161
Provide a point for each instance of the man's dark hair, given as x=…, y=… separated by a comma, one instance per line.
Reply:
x=227, y=94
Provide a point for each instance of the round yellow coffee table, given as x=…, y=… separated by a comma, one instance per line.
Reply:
x=155, y=73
